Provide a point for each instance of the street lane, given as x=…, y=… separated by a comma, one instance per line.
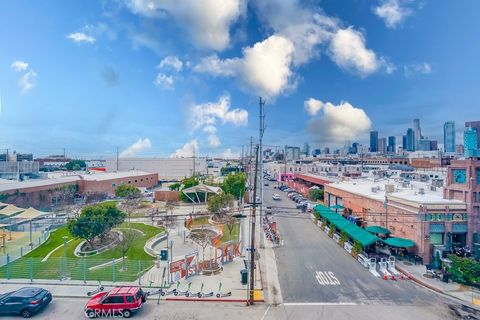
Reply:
x=313, y=268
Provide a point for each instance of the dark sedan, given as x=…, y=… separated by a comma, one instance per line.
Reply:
x=24, y=302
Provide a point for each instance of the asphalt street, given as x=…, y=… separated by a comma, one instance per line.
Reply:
x=313, y=268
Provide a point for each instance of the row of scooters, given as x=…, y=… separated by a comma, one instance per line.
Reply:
x=269, y=232
x=189, y=293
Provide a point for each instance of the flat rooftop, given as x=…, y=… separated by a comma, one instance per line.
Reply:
x=375, y=189
x=8, y=185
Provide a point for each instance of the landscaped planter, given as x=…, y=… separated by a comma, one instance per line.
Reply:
x=336, y=237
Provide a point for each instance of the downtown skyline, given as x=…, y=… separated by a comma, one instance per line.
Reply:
x=95, y=76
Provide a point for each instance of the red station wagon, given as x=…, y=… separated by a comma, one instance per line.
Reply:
x=120, y=301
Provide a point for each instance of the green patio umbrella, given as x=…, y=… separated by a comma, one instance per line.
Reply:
x=337, y=206
x=377, y=229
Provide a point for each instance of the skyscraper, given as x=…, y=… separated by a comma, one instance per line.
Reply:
x=404, y=143
x=382, y=145
x=391, y=144
x=373, y=141
x=418, y=132
x=410, y=140
x=470, y=142
x=449, y=136
x=476, y=125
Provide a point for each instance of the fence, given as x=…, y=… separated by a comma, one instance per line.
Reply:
x=18, y=251
x=84, y=269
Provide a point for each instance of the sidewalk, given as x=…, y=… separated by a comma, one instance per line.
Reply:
x=466, y=294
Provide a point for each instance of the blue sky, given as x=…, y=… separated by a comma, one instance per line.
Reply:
x=156, y=77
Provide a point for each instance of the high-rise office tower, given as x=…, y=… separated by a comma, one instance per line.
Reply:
x=391, y=144
x=382, y=145
x=418, y=132
x=475, y=125
x=449, y=136
x=410, y=140
x=373, y=141
x=404, y=143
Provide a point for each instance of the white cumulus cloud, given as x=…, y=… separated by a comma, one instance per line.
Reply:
x=188, y=150
x=349, y=52
x=337, y=123
x=171, y=62
x=80, y=37
x=313, y=106
x=414, y=68
x=140, y=145
x=393, y=12
x=265, y=67
x=228, y=154
x=19, y=65
x=163, y=81
x=207, y=22
x=27, y=81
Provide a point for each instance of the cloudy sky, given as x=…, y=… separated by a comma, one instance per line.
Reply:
x=162, y=77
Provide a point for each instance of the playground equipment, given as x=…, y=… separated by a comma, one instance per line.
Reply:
x=221, y=294
x=97, y=290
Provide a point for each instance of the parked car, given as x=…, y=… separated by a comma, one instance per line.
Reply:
x=120, y=301
x=266, y=184
x=25, y=302
x=276, y=196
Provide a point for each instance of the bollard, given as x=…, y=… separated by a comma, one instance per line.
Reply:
x=8, y=266
x=84, y=270
x=385, y=276
x=21, y=251
x=139, y=272
x=393, y=277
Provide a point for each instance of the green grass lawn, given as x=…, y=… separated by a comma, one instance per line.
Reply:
x=77, y=268
x=234, y=236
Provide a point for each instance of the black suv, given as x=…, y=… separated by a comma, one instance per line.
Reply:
x=24, y=302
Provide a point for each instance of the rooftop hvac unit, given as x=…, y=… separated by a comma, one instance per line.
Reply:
x=389, y=188
x=421, y=191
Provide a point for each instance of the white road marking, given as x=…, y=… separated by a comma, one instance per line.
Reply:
x=299, y=304
x=265, y=313
x=327, y=278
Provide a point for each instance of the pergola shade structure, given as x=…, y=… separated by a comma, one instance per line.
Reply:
x=201, y=188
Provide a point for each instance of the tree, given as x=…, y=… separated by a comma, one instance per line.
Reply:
x=218, y=203
x=231, y=222
x=234, y=184
x=127, y=191
x=316, y=194
x=75, y=165
x=95, y=221
x=175, y=186
x=128, y=237
x=187, y=183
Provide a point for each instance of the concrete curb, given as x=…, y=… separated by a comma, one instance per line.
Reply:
x=212, y=300
x=435, y=289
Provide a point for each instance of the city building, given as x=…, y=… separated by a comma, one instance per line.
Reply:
x=166, y=168
x=292, y=153
x=373, y=141
x=470, y=142
x=306, y=149
x=410, y=140
x=326, y=150
x=476, y=125
x=459, y=149
x=433, y=145
x=449, y=136
x=391, y=144
x=404, y=143
x=418, y=133
x=19, y=170
x=409, y=209
x=424, y=145
x=316, y=152
x=382, y=145
x=46, y=194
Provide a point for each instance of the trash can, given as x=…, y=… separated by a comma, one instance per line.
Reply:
x=244, y=276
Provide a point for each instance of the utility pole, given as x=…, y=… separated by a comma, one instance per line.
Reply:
x=250, y=162
x=285, y=161
x=117, y=159
x=252, y=233
x=262, y=131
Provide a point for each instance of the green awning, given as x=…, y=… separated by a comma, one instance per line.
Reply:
x=377, y=229
x=399, y=242
x=336, y=207
x=351, y=229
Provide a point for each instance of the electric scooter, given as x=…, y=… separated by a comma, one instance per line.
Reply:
x=97, y=290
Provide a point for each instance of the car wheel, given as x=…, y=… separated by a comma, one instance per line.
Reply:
x=127, y=313
x=91, y=314
x=199, y=295
x=187, y=294
x=144, y=298
x=26, y=313
x=218, y=295
x=175, y=293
